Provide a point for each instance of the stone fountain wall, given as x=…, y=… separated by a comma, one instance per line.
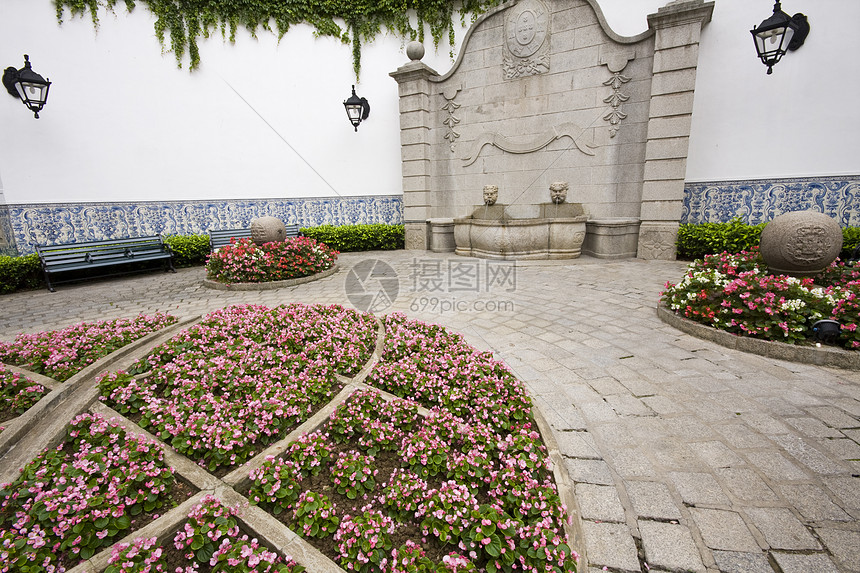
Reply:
x=542, y=91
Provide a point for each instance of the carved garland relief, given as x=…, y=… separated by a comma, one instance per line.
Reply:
x=616, y=63
x=526, y=40
x=451, y=120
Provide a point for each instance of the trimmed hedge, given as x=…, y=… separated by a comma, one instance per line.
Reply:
x=350, y=238
x=188, y=250
x=697, y=240
x=20, y=273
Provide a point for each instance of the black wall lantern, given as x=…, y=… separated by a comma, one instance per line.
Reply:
x=778, y=34
x=27, y=85
x=357, y=109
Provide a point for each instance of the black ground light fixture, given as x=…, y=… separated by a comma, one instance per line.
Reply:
x=778, y=34
x=357, y=109
x=27, y=85
x=826, y=331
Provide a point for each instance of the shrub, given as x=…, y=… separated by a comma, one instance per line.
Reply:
x=850, y=241
x=697, y=240
x=188, y=250
x=20, y=273
x=351, y=238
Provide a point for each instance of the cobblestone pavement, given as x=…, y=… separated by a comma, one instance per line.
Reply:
x=686, y=456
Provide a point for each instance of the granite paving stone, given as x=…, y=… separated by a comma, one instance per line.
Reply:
x=844, y=545
x=599, y=503
x=724, y=530
x=739, y=562
x=745, y=453
x=652, y=500
x=745, y=484
x=776, y=466
x=670, y=546
x=813, y=503
x=610, y=545
x=781, y=529
x=699, y=488
x=804, y=563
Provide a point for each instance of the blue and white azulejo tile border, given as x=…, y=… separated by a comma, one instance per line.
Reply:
x=50, y=224
x=759, y=201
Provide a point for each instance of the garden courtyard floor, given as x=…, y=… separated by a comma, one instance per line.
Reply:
x=686, y=456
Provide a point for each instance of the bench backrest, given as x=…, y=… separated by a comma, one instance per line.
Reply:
x=95, y=250
x=221, y=237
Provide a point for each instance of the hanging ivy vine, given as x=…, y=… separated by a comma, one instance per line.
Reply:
x=353, y=21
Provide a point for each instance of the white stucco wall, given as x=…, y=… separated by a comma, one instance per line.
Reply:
x=798, y=121
x=155, y=132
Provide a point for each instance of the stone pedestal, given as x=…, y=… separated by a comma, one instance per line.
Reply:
x=442, y=235
x=611, y=238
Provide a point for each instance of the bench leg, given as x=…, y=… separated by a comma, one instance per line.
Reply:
x=48, y=282
x=169, y=263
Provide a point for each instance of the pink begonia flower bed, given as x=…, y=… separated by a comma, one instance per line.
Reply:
x=60, y=354
x=379, y=487
x=17, y=394
x=471, y=486
x=72, y=501
x=211, y=537
x=245, y=376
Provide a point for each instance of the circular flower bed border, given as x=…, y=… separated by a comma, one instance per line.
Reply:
x=269, y=285
x=819, y=356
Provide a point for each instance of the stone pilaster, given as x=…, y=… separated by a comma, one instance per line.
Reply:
x=677, y=28
x=415, y=120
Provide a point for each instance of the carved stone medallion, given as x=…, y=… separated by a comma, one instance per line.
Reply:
x=526, y=40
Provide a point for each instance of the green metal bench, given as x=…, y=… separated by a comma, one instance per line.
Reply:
x=103, y=255
x=222, y=237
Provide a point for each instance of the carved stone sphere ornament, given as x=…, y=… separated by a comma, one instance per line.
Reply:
x=267, y=230
x=800, y=243
x=415, y=50
x=491, y=194
x=558, y=192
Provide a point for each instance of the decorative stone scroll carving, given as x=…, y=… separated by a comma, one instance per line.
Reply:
x=526, y=40
x=537, y=143
x=451, y=120
x=616, y=63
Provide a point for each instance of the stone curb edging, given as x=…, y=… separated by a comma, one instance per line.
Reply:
x=573, y=527
x=818, y=356
x=271, y=285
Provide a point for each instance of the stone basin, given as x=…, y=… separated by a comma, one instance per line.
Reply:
x=512, y=232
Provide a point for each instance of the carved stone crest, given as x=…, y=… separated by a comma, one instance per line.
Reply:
x=526, y=40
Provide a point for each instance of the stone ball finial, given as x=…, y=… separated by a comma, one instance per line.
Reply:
x=415, y=50
x=491, y=194
x=800, y=243
x=558, y=191
x=267, y=230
